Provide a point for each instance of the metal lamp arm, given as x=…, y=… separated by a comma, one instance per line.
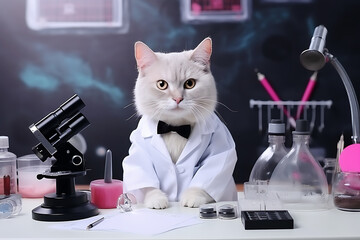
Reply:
x=354, y=105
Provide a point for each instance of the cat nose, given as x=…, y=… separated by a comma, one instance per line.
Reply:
x=178, y=100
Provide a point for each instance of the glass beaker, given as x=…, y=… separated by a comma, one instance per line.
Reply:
x=346, y=191
x=329, y=169
x=29, y=166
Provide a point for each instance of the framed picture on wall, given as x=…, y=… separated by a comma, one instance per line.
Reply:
x=203, y=11
x=77, y=15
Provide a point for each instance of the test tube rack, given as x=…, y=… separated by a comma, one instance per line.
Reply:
x=311, y=108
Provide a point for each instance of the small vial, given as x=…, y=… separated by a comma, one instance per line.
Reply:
x=227, y=211
x=208, y=211
x=10, y=205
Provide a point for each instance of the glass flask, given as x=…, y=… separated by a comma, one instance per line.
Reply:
x=346, y=191
x=268, y=160
x=298, y=178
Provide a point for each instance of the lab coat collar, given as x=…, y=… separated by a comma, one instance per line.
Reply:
x=148, y=127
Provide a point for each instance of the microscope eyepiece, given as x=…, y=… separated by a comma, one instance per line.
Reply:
x=58, y=127
x=55, y=118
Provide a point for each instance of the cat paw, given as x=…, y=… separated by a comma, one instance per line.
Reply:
x=194, y=197
x=156, y=199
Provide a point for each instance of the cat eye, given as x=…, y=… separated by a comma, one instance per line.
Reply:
x=162, y=84
x=190, y=83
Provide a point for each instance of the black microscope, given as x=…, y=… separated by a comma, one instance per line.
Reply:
x=53, y=133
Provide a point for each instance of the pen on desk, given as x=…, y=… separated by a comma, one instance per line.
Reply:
x=93, y=224
x=273, y=95
x=307, y=93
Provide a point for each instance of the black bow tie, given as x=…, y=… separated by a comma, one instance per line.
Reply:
x=183, y=130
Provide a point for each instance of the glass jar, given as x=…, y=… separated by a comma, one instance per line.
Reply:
x=346, y=191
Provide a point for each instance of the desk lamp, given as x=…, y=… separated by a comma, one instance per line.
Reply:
x=314, y=59
x=53, y=132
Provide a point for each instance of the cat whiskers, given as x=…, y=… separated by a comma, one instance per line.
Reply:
x=207, y=102
x=200, y=106
x=130, y=104
x=218, y=114
x=134, y=114
x=155, y=114
x=197, y=113
x=222, y=104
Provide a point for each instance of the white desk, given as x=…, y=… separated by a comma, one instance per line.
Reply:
x=325, y=224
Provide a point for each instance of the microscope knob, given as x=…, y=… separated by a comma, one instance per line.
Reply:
x=77, y=160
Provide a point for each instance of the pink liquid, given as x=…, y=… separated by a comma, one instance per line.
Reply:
x=105, y=195
x=36, y=191
x=31, y=187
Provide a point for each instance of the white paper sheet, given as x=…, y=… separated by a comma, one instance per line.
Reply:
x=139, y=221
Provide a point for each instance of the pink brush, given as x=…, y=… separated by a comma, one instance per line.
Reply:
x=264, y=82
x=105, y=192
x=307, y=93
x=349, y=160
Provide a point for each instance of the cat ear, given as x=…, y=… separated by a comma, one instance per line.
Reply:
x=144, y=55
x=202, y=52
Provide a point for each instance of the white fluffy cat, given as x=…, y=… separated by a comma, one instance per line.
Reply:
x=178, y=89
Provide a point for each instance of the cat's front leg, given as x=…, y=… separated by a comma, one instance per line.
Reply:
x=155, y=198
x=194, y=197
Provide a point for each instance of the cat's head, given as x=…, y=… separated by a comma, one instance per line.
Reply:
x=178, y=87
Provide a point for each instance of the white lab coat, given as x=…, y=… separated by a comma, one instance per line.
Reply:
x=207, y=161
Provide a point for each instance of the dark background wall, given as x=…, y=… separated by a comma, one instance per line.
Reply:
x=40, y=71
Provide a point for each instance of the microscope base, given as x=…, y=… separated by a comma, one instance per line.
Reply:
x=64, y=208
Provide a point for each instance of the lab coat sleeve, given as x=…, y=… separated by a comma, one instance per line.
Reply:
x=138, y=168
x=216, y=167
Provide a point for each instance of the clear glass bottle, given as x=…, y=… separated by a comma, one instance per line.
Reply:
x=268, y=160
x=8, y=177
x=298, y=178
x=10, y=202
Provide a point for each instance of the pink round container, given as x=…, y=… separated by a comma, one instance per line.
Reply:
x=349, y=158
x=105, y=195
